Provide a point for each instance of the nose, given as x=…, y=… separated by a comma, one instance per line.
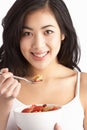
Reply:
x=39, y=42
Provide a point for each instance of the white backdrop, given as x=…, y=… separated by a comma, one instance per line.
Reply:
x=77, y=10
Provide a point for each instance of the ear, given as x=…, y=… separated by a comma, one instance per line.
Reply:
x=62, y=37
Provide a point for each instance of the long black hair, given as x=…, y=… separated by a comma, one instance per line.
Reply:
x=10, y=54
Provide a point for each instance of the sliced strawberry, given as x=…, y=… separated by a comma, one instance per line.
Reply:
x=26, y=110
x=43, y=108
x=54, y=108
x=29, y=109
x=37, y=109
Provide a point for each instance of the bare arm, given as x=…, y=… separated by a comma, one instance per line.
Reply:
x=84, y=97
x=4, y=113
x=9, y=89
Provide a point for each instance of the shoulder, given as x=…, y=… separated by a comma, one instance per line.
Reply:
x=83, y=96
x=84, y=80
x=84, y=75
x=83, y=86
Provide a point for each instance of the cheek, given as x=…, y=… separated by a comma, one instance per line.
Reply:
x=24, y=46
x=24, y=50
x=55, y=43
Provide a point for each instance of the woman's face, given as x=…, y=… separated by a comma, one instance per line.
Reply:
x=41, y=38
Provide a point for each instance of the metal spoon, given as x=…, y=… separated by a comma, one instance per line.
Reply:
x=21, y=78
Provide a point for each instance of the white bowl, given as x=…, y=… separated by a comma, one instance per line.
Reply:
x=37, y=120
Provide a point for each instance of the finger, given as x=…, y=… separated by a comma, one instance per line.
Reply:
x=4, y=77
x=7, y=75
x=6, y=84
x=12, y=93
x=16, y=91
x=3, y=70
x=57, y=127
x=9, y=92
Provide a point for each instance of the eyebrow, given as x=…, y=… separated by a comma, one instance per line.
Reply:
x=47, y=26
x=26, y=27
x=29, y=28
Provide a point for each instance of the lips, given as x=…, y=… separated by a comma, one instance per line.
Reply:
x=40, y=55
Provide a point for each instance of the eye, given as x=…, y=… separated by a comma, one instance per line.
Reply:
x=47, y=32
x=29, y=34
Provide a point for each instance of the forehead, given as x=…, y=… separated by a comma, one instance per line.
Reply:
x=43, y=15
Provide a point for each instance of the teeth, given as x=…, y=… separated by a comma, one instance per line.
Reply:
x=40, y=55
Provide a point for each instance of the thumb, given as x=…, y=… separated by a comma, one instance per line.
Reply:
x=57, y=127
x=3, y=70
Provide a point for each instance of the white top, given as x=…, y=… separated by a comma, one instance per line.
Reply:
x=72, y=113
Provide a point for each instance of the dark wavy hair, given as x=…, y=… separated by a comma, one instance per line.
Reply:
x=10, y=54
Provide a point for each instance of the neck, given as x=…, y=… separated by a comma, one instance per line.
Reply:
x=50, y=71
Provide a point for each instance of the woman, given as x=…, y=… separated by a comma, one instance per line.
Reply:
x=39, y=38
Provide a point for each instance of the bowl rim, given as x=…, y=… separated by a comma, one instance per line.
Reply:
x=19, y=109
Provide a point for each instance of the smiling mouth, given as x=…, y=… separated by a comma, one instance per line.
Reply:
x=40, y=55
